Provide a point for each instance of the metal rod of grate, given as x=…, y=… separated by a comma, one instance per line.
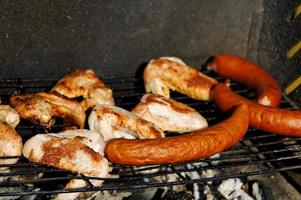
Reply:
x=258, y=153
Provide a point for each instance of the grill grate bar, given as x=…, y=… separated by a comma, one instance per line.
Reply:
x=148, y=185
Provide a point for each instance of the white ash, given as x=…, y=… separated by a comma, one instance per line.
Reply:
x=209, y=173
x=194, y=175
x=215, y=162
x=256, y=191
x=232, y=189
x=4, y=178
x=208, y=193
x=16, y=189
x=105, y=195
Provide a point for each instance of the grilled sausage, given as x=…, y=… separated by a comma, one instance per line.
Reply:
x=167, y=73
x=275, y=120
x=195, y=145
x=249, y=74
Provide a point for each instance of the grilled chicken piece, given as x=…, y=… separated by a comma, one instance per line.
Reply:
x=167, y=73
x=9, y=115
x=169, y=114
x=91, y=139
x=42, y=107
x=97, y=96
x=84, y=83
x=94, y=141
x=70, y=150
x=10, y=144
x=114, y=122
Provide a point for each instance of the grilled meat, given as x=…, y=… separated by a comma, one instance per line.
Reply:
x=42, y=107
x=10, y=144
x=84, y=83
x=167, y=73
x=70, y=150
x=114, y=122
x=169, y=114
x=9, y=115
x=89, y=138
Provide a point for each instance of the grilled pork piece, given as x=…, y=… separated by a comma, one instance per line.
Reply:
x=167, y=73
x=169, y=114
x=114, y=122
x=10, y=144
x=42, y=107
x=9, y=115
x=78, y=151
x=84, y=83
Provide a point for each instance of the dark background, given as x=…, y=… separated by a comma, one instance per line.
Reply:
x=48, y=39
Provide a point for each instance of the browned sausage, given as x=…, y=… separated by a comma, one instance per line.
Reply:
x=195, y=145
x=249, y=74
x=275, y=120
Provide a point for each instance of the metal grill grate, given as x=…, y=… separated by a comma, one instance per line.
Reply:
x=258, y=153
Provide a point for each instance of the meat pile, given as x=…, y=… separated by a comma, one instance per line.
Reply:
x=137, y=137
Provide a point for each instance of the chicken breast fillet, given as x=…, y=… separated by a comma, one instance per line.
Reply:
x=94, y=141
x=9, y=115
x=169, y=114
x=85, y=83
x=114, y=122
x=41, y=108
x=72, y=151
x=89, y=138
x=10, y=144
x=167, y=73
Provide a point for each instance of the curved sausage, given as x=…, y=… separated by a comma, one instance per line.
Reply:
x=275, y=120
x=249, y=74
x=195, y=145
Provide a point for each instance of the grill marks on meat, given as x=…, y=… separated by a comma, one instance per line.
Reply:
x=195, y=145
x=168, y=114
x=167, y=73
x=85, y=83
x=114, y=122
x=42, y=107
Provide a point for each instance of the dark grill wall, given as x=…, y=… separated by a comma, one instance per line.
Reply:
x=50, y=38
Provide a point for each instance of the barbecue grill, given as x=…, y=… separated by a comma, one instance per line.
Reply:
x=260, y=152
x=43, y=41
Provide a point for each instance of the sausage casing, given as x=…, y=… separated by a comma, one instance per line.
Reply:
x=249, y=74
x=195, y=145
x=275, y=120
